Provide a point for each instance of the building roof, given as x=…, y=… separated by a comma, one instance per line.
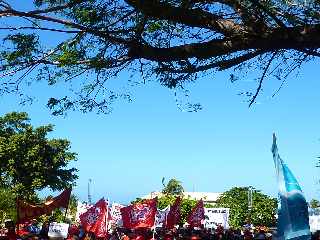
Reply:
x=205, y=196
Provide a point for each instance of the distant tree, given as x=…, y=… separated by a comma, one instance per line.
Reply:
x=29, y=161
x=264, y=208
x=173, y=187
x=186, y=205
x=171, y=41
x=7, y=204
x=72, y=208
x=314, y=203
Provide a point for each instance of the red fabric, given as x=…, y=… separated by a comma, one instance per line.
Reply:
x=60, y=201
x=196, y=216
x=95, y=219
x=139, y=215
x=73, y=230
x=174, y=214
x=22, y=232
x=168, y=237
x=21, y=229
x=12, y=236
x=140, y=237
x=27, y=211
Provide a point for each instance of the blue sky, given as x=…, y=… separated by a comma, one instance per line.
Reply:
x=227, y=144
x=127, y=152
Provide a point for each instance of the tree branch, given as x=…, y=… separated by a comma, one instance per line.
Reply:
x=55, y=9
x=253, y=99
x=190, y=17
x=104, y=34
x=270, y=13
x=221, y=65
x=40, y=28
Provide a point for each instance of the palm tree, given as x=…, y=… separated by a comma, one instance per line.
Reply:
x=173, y=187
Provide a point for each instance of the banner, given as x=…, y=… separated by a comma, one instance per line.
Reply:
x=95, y=219
x=314, y=222
x=116, y=214
x=216, y=216
x=174, y=214
x=161, y=217
x=139, y=215
x=81, y=208
x=27, y=211
x=58, y=230
x=293, y=218
x=196, y=217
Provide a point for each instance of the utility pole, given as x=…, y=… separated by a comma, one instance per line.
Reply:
x=250, y=203
x=250, y=189
x=89, y=191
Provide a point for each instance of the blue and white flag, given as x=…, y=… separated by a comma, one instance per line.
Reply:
x=293, y=218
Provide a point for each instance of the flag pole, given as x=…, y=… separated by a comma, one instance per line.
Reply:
x=154, y=223
x=106, y=217
x=18, y=215
x=67, y=207
x=65, y=214
x=154, y=228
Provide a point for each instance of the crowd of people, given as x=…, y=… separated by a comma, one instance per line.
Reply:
x=76, y=232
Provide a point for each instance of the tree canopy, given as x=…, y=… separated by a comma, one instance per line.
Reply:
x=7, y=205
x=264, y=208
x=173, y=187
x=172, y=41
x=29, y=161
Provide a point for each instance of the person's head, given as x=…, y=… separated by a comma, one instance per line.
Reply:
x=75, y=237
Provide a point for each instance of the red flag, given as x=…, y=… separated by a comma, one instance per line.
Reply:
x=60, y=201
x=173, y=217
x=95, y=219
x=27, y=211
x=196, y=216
x=139, y=215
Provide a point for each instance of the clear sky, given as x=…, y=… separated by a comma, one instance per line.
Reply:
x=126, y=153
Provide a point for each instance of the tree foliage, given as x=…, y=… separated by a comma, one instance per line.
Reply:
x=7, y=205
x=263, y=209
x=170, y=192
x=29, y=161
x=314, y=203
x=185, y=207
x=173, y=187
x=314, y=207
x=172, y=41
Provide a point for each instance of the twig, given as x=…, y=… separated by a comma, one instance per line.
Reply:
x=262, y=78
x=39, y=28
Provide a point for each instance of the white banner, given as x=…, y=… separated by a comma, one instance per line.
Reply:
x=161, y=216
x=314, y=222
x=58, y=230
x=116, y=214
x=216, y=216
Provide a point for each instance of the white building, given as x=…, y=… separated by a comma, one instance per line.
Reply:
x=207, y=197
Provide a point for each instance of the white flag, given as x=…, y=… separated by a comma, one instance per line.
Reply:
x=116, y=214
x=161, y=216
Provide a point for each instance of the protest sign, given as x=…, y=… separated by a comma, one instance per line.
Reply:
x=58, y=230
x=216, y=216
